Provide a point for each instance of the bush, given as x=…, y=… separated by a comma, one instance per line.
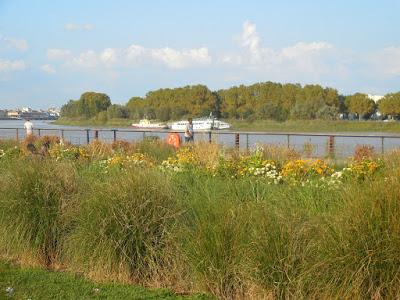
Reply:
x=34, y=200
x=122, y=226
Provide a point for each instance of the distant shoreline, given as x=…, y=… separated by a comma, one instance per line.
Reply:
x=268, y=125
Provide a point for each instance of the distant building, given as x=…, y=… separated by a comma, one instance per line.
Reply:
x=35, y=115
x=3, y=114
x=376, y=98
x=14, y=114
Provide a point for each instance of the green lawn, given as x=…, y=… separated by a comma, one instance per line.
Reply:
x=32, y=283
x=316, y=126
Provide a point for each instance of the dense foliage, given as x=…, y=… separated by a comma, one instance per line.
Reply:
x=253, y=225
x=260, y=101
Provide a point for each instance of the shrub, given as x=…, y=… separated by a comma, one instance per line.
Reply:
x=122, y=226
x=34, y=200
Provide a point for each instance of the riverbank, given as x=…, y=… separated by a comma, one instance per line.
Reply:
x=267, y=125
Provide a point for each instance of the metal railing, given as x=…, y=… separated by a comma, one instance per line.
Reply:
x=331, y=142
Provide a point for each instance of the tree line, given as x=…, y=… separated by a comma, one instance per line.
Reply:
x=266, y=100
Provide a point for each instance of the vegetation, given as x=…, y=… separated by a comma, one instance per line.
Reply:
x=360, y=104
x=263, y=224
x=33, y=283
x=390, y=105
x=260, y=101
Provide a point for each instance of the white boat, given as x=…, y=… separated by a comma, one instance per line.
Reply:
x=145, y=123
x=203, y=124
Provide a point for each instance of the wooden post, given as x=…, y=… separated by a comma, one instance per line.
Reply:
x=331, y=145
x=87, y=136
x=237, y=140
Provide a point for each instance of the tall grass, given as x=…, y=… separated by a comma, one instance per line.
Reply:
x=35, y=198
x=122, y=226
x=233, y=238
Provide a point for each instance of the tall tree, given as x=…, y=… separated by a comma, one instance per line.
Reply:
x=360, y=104
x=390, y=105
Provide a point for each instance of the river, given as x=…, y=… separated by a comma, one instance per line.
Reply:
x=318, y=145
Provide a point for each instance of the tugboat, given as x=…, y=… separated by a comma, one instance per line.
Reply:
x=146, y=124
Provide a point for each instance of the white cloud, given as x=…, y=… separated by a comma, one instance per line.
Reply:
x=48, y=69
x=302, y=49
x=88, y=59
x=385, y=62
x=12, y=65
x=133, y=55
x=58, y=54
x=109, y=56
x=180, y=59
x=75, y=27
x=251, y=40
x=231, y=59
x=14, y=43
x=307, y=60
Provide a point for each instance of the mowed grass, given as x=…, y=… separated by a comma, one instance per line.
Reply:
x=316, y=126
x=35, y=283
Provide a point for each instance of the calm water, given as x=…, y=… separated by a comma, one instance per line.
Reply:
x=344, y=146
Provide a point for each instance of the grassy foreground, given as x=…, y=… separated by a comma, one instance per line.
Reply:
x=34, y=283
x=268, y=125
x=262, y=225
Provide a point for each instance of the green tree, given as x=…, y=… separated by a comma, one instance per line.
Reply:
x=390, y=105
x=88, y=105
x=360, y=104
x=116, y=111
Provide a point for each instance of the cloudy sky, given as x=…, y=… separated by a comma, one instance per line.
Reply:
x=52, y=51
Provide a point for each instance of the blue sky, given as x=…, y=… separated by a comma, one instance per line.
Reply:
x=52, y=51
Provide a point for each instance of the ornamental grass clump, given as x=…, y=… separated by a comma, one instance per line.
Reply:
x=122, y=227
x=35, y=199
x=359, y=252
x=212, y=236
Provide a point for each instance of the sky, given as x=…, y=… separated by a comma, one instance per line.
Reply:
x=53, y=51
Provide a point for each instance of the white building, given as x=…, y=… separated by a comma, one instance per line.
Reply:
x=376, y=98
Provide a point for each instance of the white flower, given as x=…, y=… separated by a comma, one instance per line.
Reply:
x=9, y=290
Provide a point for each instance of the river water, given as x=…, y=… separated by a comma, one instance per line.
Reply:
x=318, y=145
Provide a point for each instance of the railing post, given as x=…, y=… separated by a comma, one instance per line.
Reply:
x=62, y=134
x=144, y=135
x=237, y=140
x=38, y=131
x=114, y=135
x=288, y=141
x=17, y=134
x=247, y=141
x=382, y=145
x=87, y=136
x=331, y=146
x=96, y=134
x=209, y=137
